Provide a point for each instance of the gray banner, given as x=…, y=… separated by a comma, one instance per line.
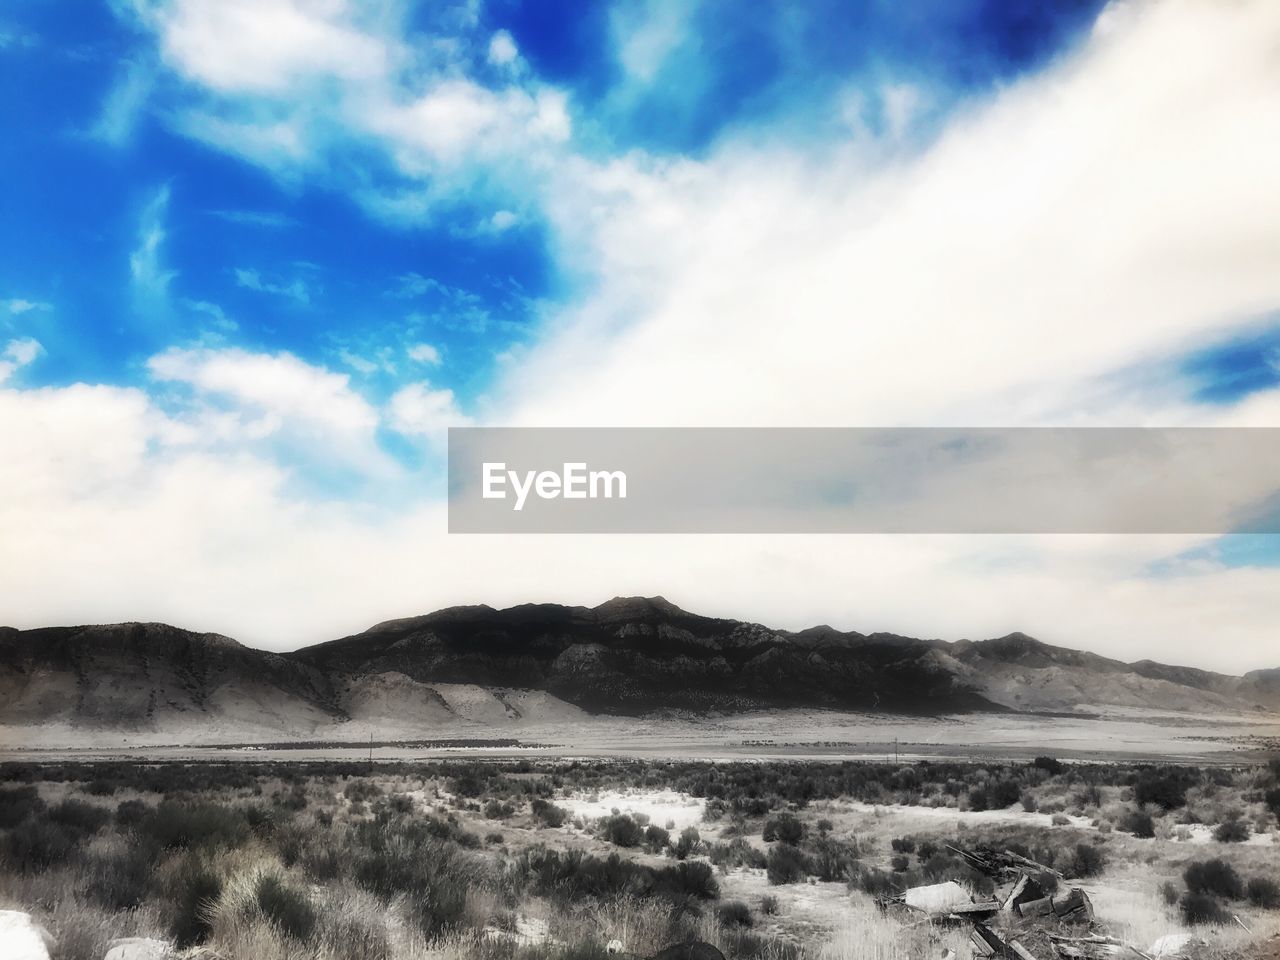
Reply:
x=820, y=480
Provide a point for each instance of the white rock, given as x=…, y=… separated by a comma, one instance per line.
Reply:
x=1174, y=945
x=21, y=938
x=937, y=897
x=139, y=948
x=613, y=946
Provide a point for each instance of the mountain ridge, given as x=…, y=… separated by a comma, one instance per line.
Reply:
x=629, y=656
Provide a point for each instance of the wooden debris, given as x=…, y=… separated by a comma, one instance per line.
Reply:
x=1094, y=948
x=1036, y=908
x=1074, y=906
x=1026, y=890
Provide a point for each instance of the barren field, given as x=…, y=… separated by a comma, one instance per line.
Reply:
x=552, y=859
x=1110, y=733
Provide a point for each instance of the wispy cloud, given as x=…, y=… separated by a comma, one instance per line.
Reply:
x=255, y=218
x=124, y=105
x=16, y=355
x=17, y=306
x=149, y=275
x=296, y=290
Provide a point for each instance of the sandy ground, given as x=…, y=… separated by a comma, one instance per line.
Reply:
x=1129, y=734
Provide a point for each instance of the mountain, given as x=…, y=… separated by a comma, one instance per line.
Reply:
x=633, y=656
x=552, y=664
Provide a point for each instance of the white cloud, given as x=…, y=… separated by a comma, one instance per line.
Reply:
x=280, y=385
x=17, y=306
x=1122, y=207
x=420, y=410
x=645, y=34
x=124, y=105
x=296, y=290
x=266, y=46
x=18, y=354
x=293, y=84
x=424, y=353
x=502, y=49
x=150, y=277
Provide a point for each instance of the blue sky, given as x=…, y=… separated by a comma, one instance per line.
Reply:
x=280, y=257
x=257, y=256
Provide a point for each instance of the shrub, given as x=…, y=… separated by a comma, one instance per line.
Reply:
x=288, y=910
x=548, y=813
x=1264, y=892
x=978, y=799
x=655, y=838
x=193, y=891
x=785, y=864
x=1232, y=831
x=498, y=810
x=621, y=830
x=1201, y=908
x=1165, y=788
x=736, y=853
x=180, y=826
x=903, y=845
x=785, y=828
x=358, y=791
x=18, y=803
x=1003, y=794
x=40, y=845
x=1272, y=799
x=130, y=813
x=120, y=880
x=734, y=913
x=1086, y=861
x=1139, y=824
x=769, y=905
x=1049, y=765
x=100, y=788
x=1169, y=893
x=688, y=843
x=79, y=816
x=1216, y=877
x=1029, y=802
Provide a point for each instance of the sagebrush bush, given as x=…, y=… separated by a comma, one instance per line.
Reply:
x=784, y=828
x=1216, y=877
x=734, y=913
x=179, y=826
x=18, y=803
x=1232, y=830
x=786, y=864
x=84, y=818
x=1200, y=908
x=287, y=909
x=1264, y=892
x=40, y=845
x=192, y=891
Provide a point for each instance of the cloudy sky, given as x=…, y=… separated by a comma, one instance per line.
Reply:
x=257, y=255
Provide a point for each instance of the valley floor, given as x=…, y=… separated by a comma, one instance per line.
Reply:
x=1103, y=732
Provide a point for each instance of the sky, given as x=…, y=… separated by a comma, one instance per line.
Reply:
x=256, y=256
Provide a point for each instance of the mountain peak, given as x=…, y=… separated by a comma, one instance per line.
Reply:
x=633, y=608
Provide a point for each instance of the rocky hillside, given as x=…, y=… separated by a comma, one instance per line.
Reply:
x=551, y=663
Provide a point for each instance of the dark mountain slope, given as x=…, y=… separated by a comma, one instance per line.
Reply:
x=145, y=674
x=633, y=655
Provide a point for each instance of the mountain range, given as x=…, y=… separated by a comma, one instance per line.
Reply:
x=547, y=663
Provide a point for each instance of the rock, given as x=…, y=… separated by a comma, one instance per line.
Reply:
x=139, y=948
x=21, y=938
x=937, y=897
x=1176, y=945
x=612, y=947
